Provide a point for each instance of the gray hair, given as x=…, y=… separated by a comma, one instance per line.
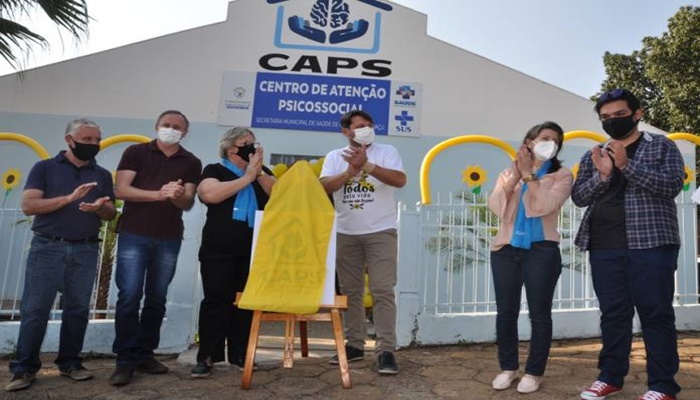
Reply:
x=74, y=125
x=230, y=137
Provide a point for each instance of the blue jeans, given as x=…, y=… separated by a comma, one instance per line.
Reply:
x=641, y=279
x=52, y=267
x=141, y=259
x=538, y=268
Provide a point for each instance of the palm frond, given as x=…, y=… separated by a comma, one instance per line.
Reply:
x=13, y=34
x=72, y=15
x=69, y=14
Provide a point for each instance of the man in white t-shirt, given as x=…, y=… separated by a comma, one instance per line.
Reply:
x=362, y=178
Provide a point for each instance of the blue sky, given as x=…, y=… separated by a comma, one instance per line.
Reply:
x=558, y=41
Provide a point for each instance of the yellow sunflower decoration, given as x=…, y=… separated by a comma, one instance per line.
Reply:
x=474, y=176
x=688, y=177
x=10, y=180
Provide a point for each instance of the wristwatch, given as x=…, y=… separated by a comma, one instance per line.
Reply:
x=529, y=178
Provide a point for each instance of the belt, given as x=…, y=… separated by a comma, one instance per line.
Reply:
x=90, y=239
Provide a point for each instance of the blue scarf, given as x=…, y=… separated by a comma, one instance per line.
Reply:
x=246, y=203
x=527, y=230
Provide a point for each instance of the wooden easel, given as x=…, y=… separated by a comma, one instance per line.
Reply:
x=326, y=312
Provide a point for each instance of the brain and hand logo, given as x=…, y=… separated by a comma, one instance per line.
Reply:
x=330, y=21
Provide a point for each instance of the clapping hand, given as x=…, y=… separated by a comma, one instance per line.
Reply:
x=523, y=161
x=255, y=164
x=618, y=153
x=81, y=191
x=94, y=206
x=602, y=161
x=172, y=190
x=356, y=157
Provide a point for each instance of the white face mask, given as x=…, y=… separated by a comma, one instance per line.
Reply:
x=364, y=135
x=545, y=150
x=169, y=135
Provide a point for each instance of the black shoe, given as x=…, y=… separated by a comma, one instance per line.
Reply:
x=76, y=373
x=151, y=366
x=386, y=363
x=202, y=369
x=352, y=353
x=239, y=363
x=19, y=381
x=122, y=375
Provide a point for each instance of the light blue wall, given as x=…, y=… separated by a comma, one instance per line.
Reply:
x=204, y=137
x=203, y=141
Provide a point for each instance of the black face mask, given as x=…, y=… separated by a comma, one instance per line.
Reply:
x=620, y=127
x=85, y=151
x=244, y=152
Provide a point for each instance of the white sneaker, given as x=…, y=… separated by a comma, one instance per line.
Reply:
x=529, y=383
x=504, y=379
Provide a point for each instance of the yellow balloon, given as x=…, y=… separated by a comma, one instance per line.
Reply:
x=316, y=167
x=367, y=298
x=279, y=169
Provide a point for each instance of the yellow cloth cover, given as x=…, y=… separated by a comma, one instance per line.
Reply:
x=289, y=260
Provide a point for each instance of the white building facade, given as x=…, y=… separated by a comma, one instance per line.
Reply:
x=289, y=69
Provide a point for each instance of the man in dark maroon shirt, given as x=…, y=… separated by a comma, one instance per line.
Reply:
x=157, y=181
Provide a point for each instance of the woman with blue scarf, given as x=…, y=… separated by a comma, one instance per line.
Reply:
x=527, y=199
x=232, y=189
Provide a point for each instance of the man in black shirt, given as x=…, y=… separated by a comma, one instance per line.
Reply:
x=630, y=229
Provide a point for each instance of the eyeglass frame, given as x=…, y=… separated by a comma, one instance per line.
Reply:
x=256, y=145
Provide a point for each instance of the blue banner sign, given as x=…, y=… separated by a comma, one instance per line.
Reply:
x=316, y=102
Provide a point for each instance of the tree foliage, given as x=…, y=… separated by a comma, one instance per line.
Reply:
x=71, y=15
x=664, y=73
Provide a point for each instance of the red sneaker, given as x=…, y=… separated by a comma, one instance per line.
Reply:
x=652, y=395
x=599, y=391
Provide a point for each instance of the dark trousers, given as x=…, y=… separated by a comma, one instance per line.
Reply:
x=538, y=268
x=52, y=267
x=145, y=268
x=221, y=322
x=641, y=279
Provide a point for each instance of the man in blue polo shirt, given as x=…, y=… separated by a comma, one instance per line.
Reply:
x=68, y=195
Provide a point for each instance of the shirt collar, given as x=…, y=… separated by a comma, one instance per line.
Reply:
x=153, y=146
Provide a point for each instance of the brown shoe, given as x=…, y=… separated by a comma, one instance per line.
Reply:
x=122, y=375
x=152, y=366
x=77, y=373
x=19, y=381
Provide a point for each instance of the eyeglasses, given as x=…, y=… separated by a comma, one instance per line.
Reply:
x=612, y=95
x=256, y=145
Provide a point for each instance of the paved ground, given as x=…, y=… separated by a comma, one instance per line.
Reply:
x=444, y=372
